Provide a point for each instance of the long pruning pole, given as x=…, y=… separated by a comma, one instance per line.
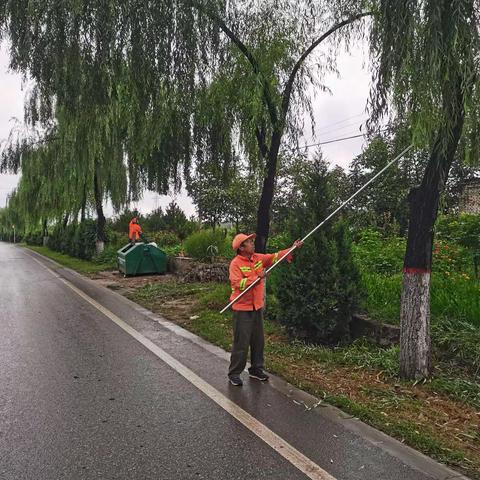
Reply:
x=343, y=205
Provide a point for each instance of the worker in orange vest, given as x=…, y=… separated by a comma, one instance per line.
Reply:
x=245, y=268
x=134, y=230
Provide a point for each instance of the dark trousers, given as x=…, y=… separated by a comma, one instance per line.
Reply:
x=247, y=332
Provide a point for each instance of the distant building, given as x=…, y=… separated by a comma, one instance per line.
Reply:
x=470, y=198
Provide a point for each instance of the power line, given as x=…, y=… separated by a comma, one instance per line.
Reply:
x=343, y=127
x=342, y=121
x=336, y=140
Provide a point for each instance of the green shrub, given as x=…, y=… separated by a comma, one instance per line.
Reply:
x=207, y=244
x=319, y=291
x=375, y=253
x=34, y=238
x=279, y=242
x=173, y=251
x=108, y=257
x=76, y=240
x=164, y=238
x=84, y=240
x=116, y=239
x=463, y=230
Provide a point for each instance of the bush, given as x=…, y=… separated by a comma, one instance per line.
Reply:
x=76, y=240
x=448, y=258
x=279, y=242
x=116, y=239
x=207, y=244
x=108, y=257
x=174, y=251
x=318, y=293
x=463, y=230
x=84, y=240
x=164, y=239
x=375, y=254
x=34, y=238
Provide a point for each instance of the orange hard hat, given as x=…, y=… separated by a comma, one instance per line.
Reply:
x=240, y=238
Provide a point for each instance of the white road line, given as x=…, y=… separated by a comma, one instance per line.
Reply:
x=291, y=454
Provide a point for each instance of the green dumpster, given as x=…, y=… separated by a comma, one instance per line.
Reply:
x=140, y=259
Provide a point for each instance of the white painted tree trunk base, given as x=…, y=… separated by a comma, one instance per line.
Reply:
x=99, y=246
x=415, y=344
x=45, y=241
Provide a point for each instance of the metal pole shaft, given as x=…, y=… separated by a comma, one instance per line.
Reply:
x=341, y=207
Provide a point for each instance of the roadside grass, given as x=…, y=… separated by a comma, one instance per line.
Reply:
x=440, y=417
x=453, y=296
x=83, y=266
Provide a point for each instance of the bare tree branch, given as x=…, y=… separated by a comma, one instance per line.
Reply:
x=287, y=92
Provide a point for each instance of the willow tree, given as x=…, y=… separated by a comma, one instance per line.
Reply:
x=426, y=68
x=77, y=162
x=203, y=80
x=11, y=218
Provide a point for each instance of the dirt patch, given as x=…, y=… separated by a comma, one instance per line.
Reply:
x=178, y=310
x=125, y=285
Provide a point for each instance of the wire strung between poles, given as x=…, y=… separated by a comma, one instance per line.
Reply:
x=343, y=205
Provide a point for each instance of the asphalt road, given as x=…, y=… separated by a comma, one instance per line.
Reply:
x=81, y=398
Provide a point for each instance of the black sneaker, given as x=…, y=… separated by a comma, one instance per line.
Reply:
x=236, y=380
x=259, y=375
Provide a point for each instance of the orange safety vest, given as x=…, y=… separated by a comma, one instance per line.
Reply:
x=244, y=271
x=134, y=231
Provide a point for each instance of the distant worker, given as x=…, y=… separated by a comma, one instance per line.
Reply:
x=245, y=268
x=134, y=231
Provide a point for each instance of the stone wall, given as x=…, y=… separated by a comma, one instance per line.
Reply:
x=207, y=272
x=470, y=199
x=181, y=265
x=381, y=333
x=192, y=270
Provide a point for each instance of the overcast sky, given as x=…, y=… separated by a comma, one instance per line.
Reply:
x=337, y=115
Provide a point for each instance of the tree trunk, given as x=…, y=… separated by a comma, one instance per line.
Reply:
x=415, y=346
x=84, y=203
x=44, y=233
x=266, y=198
x=101, y=221
x=65, y=220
